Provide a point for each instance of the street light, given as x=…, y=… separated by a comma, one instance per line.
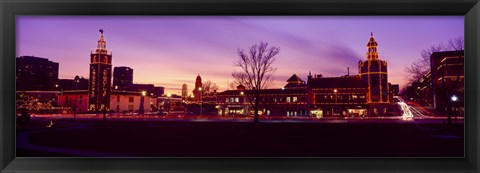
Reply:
x=335, y=92
x=169, y=104
x=141, y=108
x=201, y=100
x=454, y=98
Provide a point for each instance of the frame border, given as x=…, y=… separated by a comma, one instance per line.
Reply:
x=12, y=8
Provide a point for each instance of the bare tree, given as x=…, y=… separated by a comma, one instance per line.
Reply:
x=256, y=71
x=421, y=67
x=209, y=87
x=232, y=86
x=456, y=44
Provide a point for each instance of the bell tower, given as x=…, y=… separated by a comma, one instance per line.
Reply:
x=99, y=84
x=373, y=71
x=197, y=91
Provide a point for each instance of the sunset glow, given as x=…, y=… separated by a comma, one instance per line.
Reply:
x=169, y=51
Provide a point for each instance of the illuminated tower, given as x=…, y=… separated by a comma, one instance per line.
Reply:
x=99, y=86
x=184, y=92
x=197, y=91
x=373, y=71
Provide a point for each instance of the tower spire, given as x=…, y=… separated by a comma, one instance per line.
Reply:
x=372, y=53
x=102, y=44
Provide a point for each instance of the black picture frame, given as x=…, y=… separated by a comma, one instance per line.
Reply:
x=9, y=9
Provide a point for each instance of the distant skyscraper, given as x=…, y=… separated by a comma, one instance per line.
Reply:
x=34, y=73
x=122, y=77
x=197, y=91
x=373, y=71
x=184, y=92
x=100, y=76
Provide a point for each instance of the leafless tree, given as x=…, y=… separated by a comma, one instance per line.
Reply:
x=256, y=71
x=456, y=44
x=421, y=67
x=232, y=86
x=209, y=87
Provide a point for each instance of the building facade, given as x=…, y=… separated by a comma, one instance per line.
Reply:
x=119, y=101
x=122, y=78
x=100, y=82
x=338, y=96
x=366, y=94
x=36, y=74
x=291, y=100
x=447, y=76
x=77, y=83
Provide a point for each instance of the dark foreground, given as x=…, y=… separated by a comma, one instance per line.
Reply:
x=238, y=139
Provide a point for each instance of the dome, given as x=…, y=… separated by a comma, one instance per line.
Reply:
x=198, y=78
x=372, y=41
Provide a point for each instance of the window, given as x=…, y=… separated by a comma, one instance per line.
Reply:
x=303, y=99
x=118, y=98
x=236, y=100
x=232, y=100
x=130, y=99
x=288, y=99
x=275, y=99
x=354, y=96
x=226, y=100
x=294, y=99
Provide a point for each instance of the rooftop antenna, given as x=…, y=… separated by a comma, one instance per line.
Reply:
x=348, y=71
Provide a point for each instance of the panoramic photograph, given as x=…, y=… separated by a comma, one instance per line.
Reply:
x=240, y=86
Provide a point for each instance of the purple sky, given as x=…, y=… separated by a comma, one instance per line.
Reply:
x=171, y=50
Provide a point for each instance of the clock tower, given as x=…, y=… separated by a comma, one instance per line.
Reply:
x=100, y=77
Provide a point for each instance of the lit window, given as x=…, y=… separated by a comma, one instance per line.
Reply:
x=288, y=99
x=226, y=100
x=236, y=100
x=294, y=99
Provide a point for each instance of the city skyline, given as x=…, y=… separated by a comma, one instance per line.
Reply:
x=153, y=46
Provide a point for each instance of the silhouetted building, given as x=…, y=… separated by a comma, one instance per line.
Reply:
x=100, y=77
x=447, y=71
x=122, y=77
x=395, y=88
x=197, y=91
x=184, y=92
x=158, y=91
x=77, y=83
x=149, y=88
x=36, y=74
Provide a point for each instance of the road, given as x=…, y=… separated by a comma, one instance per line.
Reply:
x=411, y=112
x=416, y=111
